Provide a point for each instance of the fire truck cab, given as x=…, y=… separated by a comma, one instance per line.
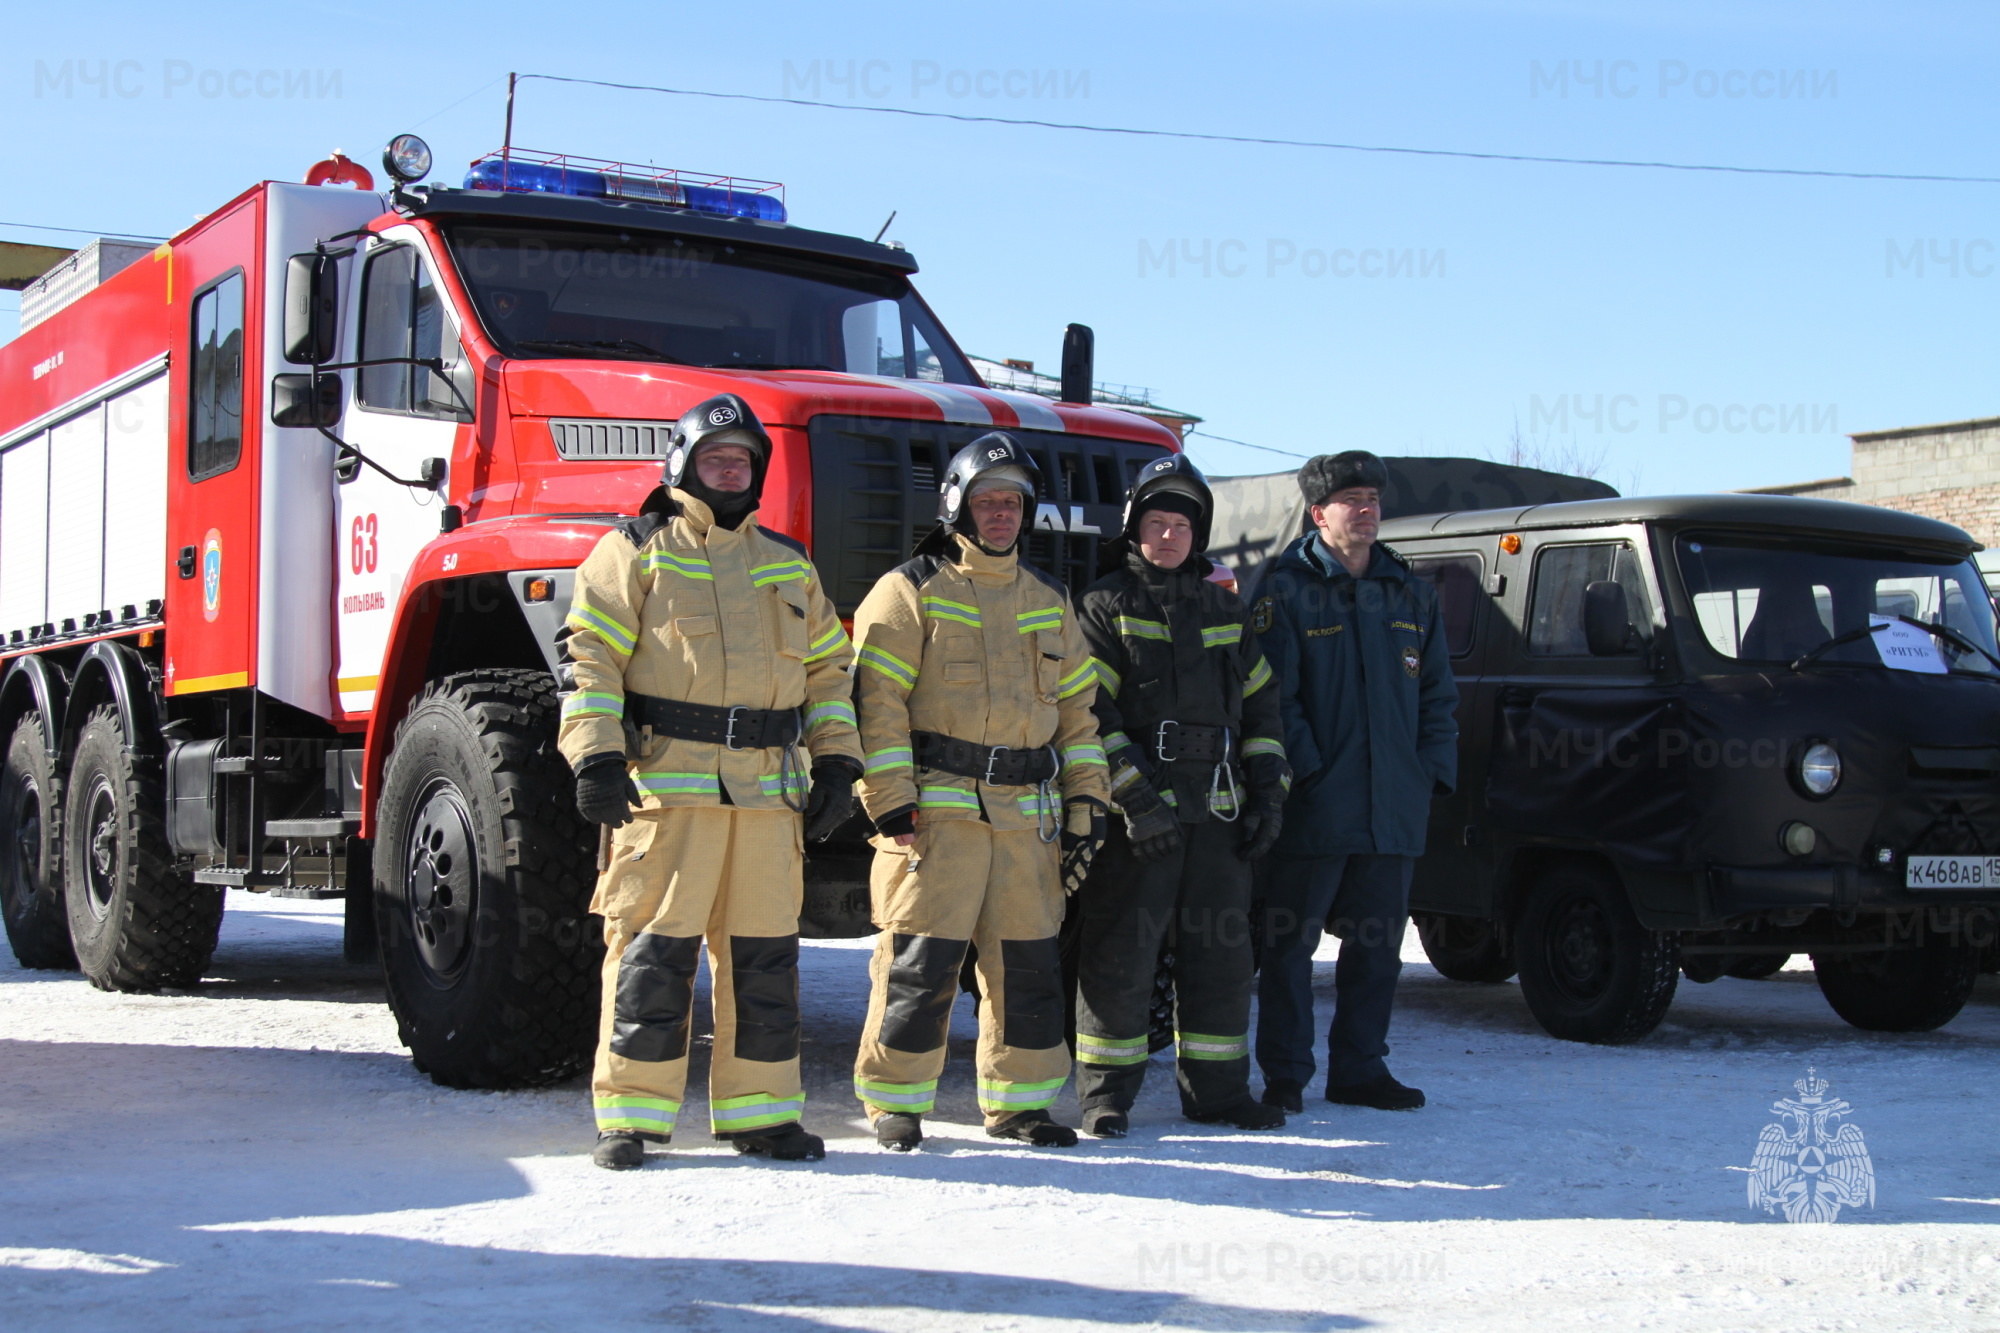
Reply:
x=288, y=513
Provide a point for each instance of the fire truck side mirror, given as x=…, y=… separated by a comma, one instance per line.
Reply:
x=305, y=400
x=312, y=308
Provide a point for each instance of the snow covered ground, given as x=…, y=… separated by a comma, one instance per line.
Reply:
x=259, y=1155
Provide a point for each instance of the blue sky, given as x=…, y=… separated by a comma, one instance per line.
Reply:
x=1635, y=320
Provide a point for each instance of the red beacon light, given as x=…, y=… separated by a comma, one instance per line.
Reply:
x=525, y=171
x=339, y=169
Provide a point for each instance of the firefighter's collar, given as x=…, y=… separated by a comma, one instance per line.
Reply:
x=974, y=559
x=702, y=519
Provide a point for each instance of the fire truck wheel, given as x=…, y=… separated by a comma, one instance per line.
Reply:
x=137, y=924
x=1901, y=990
x=1463, y=948
x=31, y=892
x=1590, y=971
x=483, y=874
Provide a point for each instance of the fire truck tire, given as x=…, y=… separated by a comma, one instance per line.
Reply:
x=1590, y=971
x=31, y=888
x=483, y=874
x=1900, y=990
x=137, y=923
x=1463, y=948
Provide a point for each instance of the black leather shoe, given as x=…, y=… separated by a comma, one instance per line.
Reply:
x=899, y=1132
x=1106, y=1123
x=1034, y=1128
x=1384, y=1094
x=1245, y=1114
x=619, y=1150
x=788, y=1142
x=1285, y=1095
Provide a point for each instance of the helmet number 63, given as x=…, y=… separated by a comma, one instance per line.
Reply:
x=361, y=551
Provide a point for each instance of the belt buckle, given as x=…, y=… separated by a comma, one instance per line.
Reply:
x=993, y=754
x=729, y=729
x=1160, y=741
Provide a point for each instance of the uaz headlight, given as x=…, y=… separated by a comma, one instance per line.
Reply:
x=1819, y=769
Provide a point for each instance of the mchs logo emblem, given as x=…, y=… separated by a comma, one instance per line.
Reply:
x=1412, y=663
x=1809, y=1166
x=721, y=416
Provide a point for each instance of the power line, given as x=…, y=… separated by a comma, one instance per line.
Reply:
x=78, y=231
x=1276, y=143
x=460, y=102
x=1247, y=445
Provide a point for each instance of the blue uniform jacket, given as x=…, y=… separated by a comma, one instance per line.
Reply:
x=1366, y=694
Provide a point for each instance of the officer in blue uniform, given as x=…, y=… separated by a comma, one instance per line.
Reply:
x=1365, y=691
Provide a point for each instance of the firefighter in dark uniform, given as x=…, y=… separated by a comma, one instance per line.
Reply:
x=1190, y=723
x=1364, y=685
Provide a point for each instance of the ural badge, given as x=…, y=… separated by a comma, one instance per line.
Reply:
x=1412, y=662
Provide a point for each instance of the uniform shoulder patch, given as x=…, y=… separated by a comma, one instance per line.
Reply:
x=1261, y=614
x=1412, y=662
x=785, y=540
x=919, y=570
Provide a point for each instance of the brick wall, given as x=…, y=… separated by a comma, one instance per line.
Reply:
x=1945, y=472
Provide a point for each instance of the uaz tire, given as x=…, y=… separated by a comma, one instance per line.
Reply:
x=137, y=923
x=1463, y=948
x=1589, y=970
x=1901, y=990
x=31, y=888
x=483, y=873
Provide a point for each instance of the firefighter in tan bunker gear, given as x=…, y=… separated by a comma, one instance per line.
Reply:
x=705, y=658
x=987, y=786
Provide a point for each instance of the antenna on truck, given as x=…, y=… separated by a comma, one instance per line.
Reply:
x=507, y=138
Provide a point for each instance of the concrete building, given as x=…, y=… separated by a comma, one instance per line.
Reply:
x=1949, y=471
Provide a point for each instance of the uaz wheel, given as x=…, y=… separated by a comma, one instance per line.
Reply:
x=483, y=874
x=1589, y=970
x=1901, y=990
x=31, y=890
x=1463, y=948
x=137, y=923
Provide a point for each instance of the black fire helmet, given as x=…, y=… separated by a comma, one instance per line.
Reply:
x=1175, y=474
x=708, y=422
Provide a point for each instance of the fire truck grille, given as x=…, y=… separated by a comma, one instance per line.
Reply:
x=875, y=492
x=588, y=437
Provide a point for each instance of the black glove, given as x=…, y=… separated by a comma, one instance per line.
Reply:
x=831, y=800
x=897, y=822
x=1263, y=820
x=605, y=792
x=1084, y=830
x=1150, y=824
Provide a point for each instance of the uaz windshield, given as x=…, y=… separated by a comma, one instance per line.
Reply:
x=570, y=293
x=1776, y=601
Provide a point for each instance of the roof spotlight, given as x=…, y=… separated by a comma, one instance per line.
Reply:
x=407, y=158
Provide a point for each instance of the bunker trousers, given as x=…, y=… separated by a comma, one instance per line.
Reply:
x=1365, y=901
x=1198, y=902
x=1000, y=892
x=678, y=876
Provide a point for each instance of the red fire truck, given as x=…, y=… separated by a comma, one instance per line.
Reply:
x=289, y=509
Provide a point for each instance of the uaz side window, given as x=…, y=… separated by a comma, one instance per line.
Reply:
x=1555, y=618
x=1459, y=595
x=215, y=396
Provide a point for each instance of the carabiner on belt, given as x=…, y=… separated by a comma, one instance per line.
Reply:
x=1223, y=772
x=1048, y=825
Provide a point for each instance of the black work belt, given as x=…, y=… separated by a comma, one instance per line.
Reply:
x=731, y=728
x=994, y=765
x=1204, y=745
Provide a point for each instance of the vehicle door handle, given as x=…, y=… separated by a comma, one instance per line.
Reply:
x=186, y=562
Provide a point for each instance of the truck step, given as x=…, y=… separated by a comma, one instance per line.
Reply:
x=311, y=828
x=312, y=893
x=238, y=877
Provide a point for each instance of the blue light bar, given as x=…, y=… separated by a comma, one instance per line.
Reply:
x=520, y=171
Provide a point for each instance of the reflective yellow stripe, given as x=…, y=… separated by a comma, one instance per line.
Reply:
x=940, y=609
x=1137, y=628
x=782, y=572
x=833, y=710
x=908, y=1098
x=655, y=1115
x=603, y=626
x=1260, y=676
x=1110, y=1050
x=688, y=566
x=1111, y=680
x=890, y=665
x=1078, y=680
x=828, y=644
x=1219, y=636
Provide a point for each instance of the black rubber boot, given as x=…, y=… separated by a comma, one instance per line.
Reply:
x=788, y=1142
x=1035, y=1128
x=1106, y=1122
x=619, y=1150
x=1245, y=1114
x=1285, y=1095
x=1383, y=1094
x=899, y=1132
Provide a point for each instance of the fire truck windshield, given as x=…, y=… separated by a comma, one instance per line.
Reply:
x=546, y=293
